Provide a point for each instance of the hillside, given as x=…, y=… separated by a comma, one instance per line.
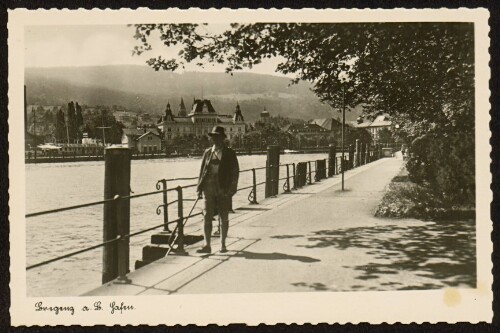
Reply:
x=141, y=89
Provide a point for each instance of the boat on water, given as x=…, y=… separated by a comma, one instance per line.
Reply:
x=290, y=151
x=48, y=147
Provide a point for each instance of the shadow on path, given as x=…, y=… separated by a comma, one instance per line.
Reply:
x=444, y=251
x=273, y=256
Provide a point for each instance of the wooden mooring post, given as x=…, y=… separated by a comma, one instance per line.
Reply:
x=362, y=149
x=116, y=217
x=272, y=170
x=332, y=152
x=351, y=156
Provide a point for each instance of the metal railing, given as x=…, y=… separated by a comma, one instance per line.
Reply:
x=321, y=171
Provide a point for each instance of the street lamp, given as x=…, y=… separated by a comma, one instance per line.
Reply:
x=343, y=78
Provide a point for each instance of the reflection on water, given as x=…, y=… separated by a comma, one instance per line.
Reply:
x=55, y=185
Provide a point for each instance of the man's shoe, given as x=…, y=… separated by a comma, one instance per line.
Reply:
x=223, y=249
x=205, y=249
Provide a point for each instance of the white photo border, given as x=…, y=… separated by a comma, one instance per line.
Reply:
x=475, y=304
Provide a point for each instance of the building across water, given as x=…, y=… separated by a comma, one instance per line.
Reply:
x=142, y=140
x=199, y=121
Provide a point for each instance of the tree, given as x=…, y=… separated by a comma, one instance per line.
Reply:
x=104, y=119
x=60, y=127
x=251, y=139
x=385, y=136
x=72, y=127
x=78, y=120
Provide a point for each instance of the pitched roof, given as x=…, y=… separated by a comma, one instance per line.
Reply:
x=154, y=130
x=363, y=124
x=327, y=123
x=382, y=120
x=306, y=127
x=200, y=104
x=352, y=123
x=132, y=132
x=182, y=108
x=225, y=120
x=147, y=132
x=182, y=120
x=379, y=121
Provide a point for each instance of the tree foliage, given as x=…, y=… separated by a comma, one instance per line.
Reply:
x=72, y=126
x=454, y=179
x=60, y=132
x=103, y=118
x=421, y=72
x=79, y=116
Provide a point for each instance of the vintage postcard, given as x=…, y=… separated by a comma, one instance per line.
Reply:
x=249, y=166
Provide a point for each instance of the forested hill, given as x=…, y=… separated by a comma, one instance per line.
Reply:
x=139, y=88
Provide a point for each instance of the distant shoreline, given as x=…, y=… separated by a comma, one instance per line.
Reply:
x=68, y=159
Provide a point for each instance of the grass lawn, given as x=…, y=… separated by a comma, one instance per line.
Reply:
x=405, y=199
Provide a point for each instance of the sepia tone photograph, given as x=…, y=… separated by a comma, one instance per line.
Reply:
x=227, y=158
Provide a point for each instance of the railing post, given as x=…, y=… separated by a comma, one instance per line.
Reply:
x=294, y=177
x=320, y=169
x=351, y=156
x=317, y=168
x=363, y=149
x=366, y=153
x=332, y=155
x=254, y=187
x=123, y=217
x=301, y=174
x=357, y=154
x=272, y=170
x=287, y=178
x=116, y=214
x=310, y=173
x=324, y=173
x=165, y=203
x=180, y=222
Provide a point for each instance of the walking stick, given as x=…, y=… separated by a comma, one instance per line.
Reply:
x=176, y=227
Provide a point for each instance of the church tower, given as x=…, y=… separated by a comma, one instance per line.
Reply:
x=168, y=113
x=182, y=109
x=264, y=115
x=238, y=117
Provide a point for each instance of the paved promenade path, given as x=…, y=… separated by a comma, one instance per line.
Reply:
x=318, y=238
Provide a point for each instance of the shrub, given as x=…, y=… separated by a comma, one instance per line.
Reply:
x=405, y=199
x=446, y=163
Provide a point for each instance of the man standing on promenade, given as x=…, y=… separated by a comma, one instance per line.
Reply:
x=218, y=181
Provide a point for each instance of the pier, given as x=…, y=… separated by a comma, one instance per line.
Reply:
x=303, y=233
x=275, y=246
x=317, y=238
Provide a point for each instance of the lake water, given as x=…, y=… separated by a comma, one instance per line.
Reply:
x=55, y=185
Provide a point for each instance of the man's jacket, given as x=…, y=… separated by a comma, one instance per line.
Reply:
x=229, y=170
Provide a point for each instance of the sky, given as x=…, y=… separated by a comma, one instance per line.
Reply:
x=98, y=45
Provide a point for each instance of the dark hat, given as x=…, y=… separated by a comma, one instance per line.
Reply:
x=217, y=131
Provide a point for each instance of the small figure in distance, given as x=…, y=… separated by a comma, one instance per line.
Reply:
x=217, y=182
